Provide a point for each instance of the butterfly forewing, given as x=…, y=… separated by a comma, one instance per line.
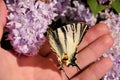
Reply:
x=53, y=40
x=64, y=40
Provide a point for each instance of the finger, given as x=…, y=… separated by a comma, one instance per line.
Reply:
x=94, y=50
x=3, y=14
x=96, y=70
x=92, y=34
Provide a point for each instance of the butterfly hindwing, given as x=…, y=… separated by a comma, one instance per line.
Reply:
x=64, y=41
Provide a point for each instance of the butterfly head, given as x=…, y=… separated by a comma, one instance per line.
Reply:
x=65, y=58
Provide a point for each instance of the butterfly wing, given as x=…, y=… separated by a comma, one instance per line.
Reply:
x=74, y=34
x=55, y=40
x=64, y=40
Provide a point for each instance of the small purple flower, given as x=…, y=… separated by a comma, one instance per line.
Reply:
x=103, y=1
x=27, y=23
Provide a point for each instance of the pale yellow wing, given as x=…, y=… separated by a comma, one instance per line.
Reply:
x=64, y=40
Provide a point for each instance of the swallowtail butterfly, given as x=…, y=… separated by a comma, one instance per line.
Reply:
x=64, y=42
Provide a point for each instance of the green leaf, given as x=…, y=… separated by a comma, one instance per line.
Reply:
x=116, y=5
x=95, y=7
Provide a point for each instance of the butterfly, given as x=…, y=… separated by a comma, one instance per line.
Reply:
x=64, y=41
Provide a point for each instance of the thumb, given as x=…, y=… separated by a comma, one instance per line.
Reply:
x=3, y=14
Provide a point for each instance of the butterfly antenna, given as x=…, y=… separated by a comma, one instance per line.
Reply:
x=66, y=74
x=62, y=68
x=78, y=67
x=79, y=70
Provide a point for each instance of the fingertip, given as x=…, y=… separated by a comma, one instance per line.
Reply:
x=101, y=67
x=108, y=62
x=102, y=28
x=108, y=40
x=96, y=31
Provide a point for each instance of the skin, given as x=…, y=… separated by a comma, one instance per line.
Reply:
x=44, y=66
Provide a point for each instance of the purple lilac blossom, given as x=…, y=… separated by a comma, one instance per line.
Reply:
x=113, y=21
x=27, y=23
x=79, y=13
x=103, y=1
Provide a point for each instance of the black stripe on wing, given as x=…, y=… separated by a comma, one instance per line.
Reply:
x=64, y=29
x=83, y=30
x=56, y=38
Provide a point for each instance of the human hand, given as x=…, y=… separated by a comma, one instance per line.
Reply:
x=44, y=67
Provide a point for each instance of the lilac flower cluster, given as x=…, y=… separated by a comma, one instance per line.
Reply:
x=29, y=19
x=27, y=23
x=113, y=21
x=74, y=14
